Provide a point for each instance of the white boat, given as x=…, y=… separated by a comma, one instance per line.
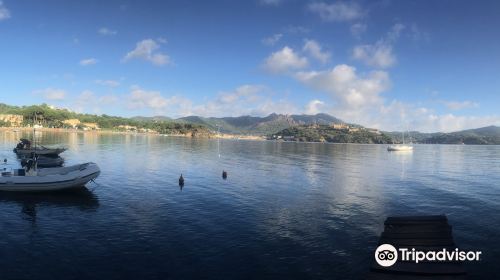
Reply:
x=394, y=148
x=48, y=179
x=401, y=147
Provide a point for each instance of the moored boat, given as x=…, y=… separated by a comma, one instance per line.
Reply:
x=43, y=161
x=48, y=179
x=400, y=148
x=24, y=148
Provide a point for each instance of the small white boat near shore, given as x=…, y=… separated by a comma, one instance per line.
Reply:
x=48, y=179
x=395, y=148
x=401, y=147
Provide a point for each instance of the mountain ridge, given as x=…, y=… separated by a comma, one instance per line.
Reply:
x=259, y=125
x=243, y=125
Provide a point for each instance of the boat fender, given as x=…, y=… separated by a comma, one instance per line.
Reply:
x=181, y=181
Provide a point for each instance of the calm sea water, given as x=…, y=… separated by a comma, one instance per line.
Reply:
x=286, y=211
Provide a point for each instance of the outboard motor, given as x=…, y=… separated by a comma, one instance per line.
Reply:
x=29, y=164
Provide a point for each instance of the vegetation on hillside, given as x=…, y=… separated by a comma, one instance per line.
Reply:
x=51, y=117
x=270, y=124
x=313, y=128
x=325, y=133
x=489, y=135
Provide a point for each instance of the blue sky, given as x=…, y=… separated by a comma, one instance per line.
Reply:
x=428, y=65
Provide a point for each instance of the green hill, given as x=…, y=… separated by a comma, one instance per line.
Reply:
x=326, y=133
x=303, y=127
x=489, y=135
x=52, y=117
x=259, y=125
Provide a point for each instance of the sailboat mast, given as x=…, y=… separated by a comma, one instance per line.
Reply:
x=218, y=139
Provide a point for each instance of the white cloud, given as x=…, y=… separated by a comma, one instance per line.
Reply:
x=377, y=55
x=140, y=98
x=338, y=11
x=358, y=29
x=284, y=60
x=271, y=2
x=459, y=105
x=416, y=34
x=381, y=53
x=313, y=48
x=349, y=89
x=272, y=40
x=88, y=61
x=450, y=122
x=398, y=116
x=106, y=31
x=297, y=29
x=148, y=50
x=395, y=32
x=4, y=12
x=52, y=94
x=87, y=101
x=255, y=100
x=314, y=107
x=109, y=83
x=358, y=99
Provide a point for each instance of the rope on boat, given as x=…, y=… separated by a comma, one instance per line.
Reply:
x=96, y=185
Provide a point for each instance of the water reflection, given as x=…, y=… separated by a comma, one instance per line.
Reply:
x=403, y=157
x=82, y=199
x=315, y=208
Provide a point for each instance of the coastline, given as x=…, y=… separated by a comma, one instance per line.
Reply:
x=110, y=131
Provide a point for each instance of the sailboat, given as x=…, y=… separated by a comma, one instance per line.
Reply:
x=400, y=147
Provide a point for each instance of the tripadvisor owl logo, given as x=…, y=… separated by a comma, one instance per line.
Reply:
x=386, y=255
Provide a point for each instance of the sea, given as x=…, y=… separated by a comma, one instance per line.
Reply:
x=286, y=210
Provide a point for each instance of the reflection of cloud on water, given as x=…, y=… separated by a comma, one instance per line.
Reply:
x=335, y=187
x=403, y=158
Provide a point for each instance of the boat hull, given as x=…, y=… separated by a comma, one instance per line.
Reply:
x=399, y=148
x=43, y=152
x=50, y=180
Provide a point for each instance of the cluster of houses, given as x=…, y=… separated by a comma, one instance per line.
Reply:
x=349, y=128
x=75, y=123
x=131, y=128
x=13, y=120
x=17, y=121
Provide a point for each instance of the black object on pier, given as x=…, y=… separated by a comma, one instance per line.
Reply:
x=424, y=233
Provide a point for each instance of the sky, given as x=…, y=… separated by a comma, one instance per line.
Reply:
x=393, y=65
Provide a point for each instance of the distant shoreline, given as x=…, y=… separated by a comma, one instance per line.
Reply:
x=204, y=136
x=109, y=131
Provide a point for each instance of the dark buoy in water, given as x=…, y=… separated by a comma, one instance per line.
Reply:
x=181, y=181
x=224, y=174
x=5, y=161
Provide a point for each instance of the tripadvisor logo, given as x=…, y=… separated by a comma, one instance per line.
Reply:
x=386, y=255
